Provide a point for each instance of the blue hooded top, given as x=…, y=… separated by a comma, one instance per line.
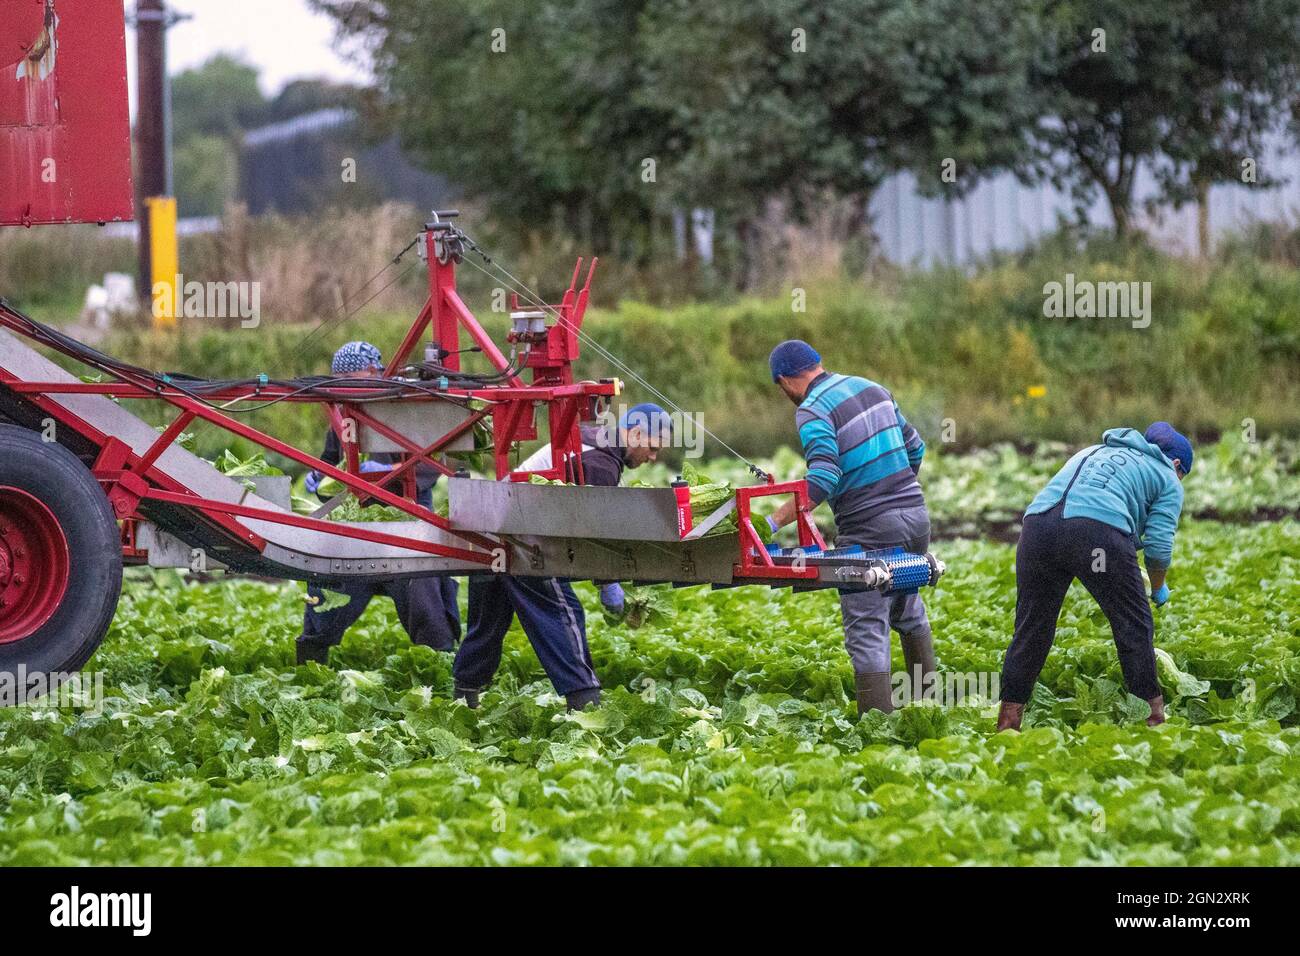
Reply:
x=1126, y=482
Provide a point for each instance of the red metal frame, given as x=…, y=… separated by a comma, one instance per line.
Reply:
x=755, y=562
x=129, y=478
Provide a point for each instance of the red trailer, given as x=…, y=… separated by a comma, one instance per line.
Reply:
x=86, y=485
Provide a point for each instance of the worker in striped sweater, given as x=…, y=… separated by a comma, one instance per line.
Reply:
x=863, y=458
x=426, y=607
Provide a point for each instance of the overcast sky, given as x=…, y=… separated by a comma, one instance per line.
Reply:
x=282, y=38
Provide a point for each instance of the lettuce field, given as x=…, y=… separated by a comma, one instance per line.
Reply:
x=728, y=733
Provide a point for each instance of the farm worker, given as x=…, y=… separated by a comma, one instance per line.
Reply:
x=1108, y=502
x=426, y=606
x=863, y=457
x=549, y=611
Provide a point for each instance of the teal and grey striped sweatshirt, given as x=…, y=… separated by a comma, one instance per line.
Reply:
x=863, y=456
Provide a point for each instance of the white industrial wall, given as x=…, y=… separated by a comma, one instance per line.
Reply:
x=1001, y=214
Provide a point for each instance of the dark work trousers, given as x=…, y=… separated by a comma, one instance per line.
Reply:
x=869, y=615
x=551, y=616
x=1053, y=551
x=426, y=607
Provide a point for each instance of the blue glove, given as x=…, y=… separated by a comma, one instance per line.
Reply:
x=771, y=523
x=314, y=478
x=1161, y=596
x=370, y=467
x=611, y=597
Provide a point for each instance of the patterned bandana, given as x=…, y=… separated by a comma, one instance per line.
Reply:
x=356, y=357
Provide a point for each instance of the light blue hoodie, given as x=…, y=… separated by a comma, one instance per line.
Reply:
x=1125, y=482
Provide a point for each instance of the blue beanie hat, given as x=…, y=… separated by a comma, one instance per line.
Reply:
x=648, y=417
x=792, y=357
x=1169, y=441
x=356, y=357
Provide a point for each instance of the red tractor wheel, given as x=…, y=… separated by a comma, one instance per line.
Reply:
x=33, y=564
x=60, y=560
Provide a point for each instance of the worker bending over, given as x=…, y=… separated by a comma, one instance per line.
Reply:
x=426, y=606
x=549, y=611
x=863, y=457
x=1108, y=502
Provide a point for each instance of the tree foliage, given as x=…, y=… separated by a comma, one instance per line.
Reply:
x=219, y=98
x=1189, y=87
x=615, y=112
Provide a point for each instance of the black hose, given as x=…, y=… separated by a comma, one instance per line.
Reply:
x=330, y=388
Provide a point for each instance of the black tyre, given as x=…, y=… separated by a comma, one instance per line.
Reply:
x=60, y=563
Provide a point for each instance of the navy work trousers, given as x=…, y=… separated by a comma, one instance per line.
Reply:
x=426, y=607
x=551, y=616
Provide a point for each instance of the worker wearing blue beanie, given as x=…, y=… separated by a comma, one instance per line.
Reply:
x=547, y=609
x=1107, y=503
x=790, y=358
x=863, y=459
x=642, y=430
x=1175, y=446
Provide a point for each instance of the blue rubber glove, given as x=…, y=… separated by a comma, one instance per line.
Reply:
x=370, y=467
x=1161, y=596
x=314, y=478
x=771, y=523
x=611, y=597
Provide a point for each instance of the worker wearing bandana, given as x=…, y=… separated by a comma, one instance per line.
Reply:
x=426, y=606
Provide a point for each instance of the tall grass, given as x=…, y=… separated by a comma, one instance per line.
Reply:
x=47, y=269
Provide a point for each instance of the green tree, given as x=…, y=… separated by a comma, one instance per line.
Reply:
x=219, y=98
x=1190, y=84
x=305, y=96
x=530, y=105
x=801, y=100
x=207, y=174
x=1245, y=73
x=211, y=105
x=953, y=86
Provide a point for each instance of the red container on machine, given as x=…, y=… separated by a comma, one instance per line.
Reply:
x=685, y=520
x=65, y=136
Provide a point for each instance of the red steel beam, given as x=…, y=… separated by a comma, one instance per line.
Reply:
x=357, y=484
x=394, y=436
x=466, y=318
x=411, y=340
x=316, y=524
x=165, y=440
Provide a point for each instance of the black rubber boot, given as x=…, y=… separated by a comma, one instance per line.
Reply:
x=874, y=692
x=470, y=697
x=918, y=655
x=1010, y=715
x=311, y=652
x=581, y=699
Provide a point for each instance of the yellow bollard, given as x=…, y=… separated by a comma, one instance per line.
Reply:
x=164, y=252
